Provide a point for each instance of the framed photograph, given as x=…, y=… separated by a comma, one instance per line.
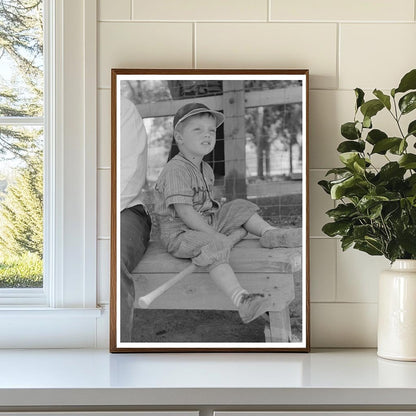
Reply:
x=209, y=211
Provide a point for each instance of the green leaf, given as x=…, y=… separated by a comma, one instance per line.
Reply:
x=391, y=170
x=411, y=180
x=361, y=231
x=407, y=240
x=371, y=108
x=385, y=99
x=402, y=147
x=325, y=186
x=342, y=211
x=383, y=145
x=408, y=102
x=369, y=201
x=367, y=122
x=349, y=146
x=398, y=149
x=349, y=131
x=338, y=171
x=411, y=183
x=412, y=200
x=348, y=187
x=408, y=82
x=368, y=248
x=336, y=228
x=354, y=161
x=393, y=250
x=359, y=94
x=391, y=212
x=348, y=158
x=375, y=212
x=374, y=136
x=374, y=242
x=359, y=165
x=338, y=189
x=346, y=242
x=411, y=130
x=408, y=161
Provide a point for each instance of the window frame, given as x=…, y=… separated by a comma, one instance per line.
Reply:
x=34, y=296
x=70, y=208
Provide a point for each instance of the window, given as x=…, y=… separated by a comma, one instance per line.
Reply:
x=22, y=132
x=63, y=313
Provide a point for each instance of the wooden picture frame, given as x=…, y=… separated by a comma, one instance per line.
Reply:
x=260, y=155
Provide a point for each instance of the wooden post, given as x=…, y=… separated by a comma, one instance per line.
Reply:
x=234, y=140
x=278, y=329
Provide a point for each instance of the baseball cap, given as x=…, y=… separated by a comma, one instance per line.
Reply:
x=191, y=109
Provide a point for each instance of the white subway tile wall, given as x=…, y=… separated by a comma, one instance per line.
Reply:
x=142, y=45
x=352, y=10
x=201, y=10
x=319, y=203
x=344, y=44
x=375, y=55
x=328, y=109
x=357, y=275
x=104, y=128
x=114, y=10
x=103, y=271
x=270, y=45
x=343, y=325
x=104, y=202
x=322, y=269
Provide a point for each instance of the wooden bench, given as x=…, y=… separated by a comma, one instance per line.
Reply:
x=269, y=271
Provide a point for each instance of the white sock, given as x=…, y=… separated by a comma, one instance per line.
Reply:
x=225, y=278
x=237, y=295
x=267, y=228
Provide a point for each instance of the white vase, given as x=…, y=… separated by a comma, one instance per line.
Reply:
x=397, y=312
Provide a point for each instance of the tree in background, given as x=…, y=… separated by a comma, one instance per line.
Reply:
x=21, y=87
x=266, y=124
x=22, y=212
x=21, y=95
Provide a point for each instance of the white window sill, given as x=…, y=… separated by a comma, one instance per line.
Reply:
x=331, y=379
x=40, y=327
x=34, y=311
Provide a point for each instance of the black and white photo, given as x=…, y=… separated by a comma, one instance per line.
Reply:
x=209, y=210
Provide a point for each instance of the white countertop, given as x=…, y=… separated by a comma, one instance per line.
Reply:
x=92, y=377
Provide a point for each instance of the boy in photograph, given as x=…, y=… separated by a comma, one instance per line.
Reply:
x=194, y=225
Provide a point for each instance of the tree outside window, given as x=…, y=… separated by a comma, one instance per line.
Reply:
x=21, y=143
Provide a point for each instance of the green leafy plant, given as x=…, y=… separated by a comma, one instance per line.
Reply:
x=376, y=210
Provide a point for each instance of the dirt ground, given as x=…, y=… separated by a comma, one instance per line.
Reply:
x=209, y=326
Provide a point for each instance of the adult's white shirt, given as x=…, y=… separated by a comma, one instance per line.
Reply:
x=133, y=154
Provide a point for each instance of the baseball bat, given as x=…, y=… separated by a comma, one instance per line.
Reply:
x=145, y=301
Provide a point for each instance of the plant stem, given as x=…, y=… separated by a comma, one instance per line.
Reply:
x=397, y=118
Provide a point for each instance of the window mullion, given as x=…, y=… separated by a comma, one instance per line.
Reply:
x=22, y=121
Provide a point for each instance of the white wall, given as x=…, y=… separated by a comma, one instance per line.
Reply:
x=345, y=44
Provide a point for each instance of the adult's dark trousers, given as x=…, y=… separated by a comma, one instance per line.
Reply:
x=135, y=226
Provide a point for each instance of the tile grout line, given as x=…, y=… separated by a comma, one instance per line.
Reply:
x=336, y=271
x=338, y=242
x=254, y=21
x=338, y=63
x=194, y=62
x=269, y=11
x=344, y=302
